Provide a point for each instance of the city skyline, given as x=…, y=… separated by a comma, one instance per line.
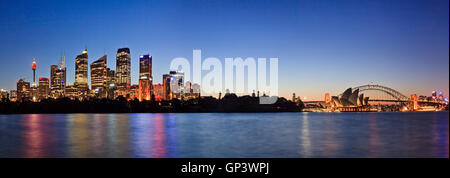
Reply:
x=326, y=62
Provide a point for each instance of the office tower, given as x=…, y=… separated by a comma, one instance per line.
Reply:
x=44, y=89
x=173, y=85
x=13, y=95
x=3, y=94
x=110, y=83
x=59, y=82
x=81, y=71
x=111, y=76
x=99, y=77
x=53, y=69
x=145, y=77
x=166, y=87
x=58, y=78
x=123, y=66
x=71, y=91
x=23, y=90
x=196, y=90
x=62, y=68
x=158, y=91
x=178, y=87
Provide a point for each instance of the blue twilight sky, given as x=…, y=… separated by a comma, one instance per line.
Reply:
x=322, y=46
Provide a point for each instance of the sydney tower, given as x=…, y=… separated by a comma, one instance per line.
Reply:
x=33, y=66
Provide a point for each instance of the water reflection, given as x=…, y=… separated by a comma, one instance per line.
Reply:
x=305, y=140
x=34, y=137
x=159, y=150
x=225, y=135
x=373, y=137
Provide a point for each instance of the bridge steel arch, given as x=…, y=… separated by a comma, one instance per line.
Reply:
x=394, y=93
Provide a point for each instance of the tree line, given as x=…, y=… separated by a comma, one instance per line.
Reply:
x=229, y=103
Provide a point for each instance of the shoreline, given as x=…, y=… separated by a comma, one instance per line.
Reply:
x=219, y=112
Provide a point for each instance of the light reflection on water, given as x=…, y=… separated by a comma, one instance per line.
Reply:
x=225, y=135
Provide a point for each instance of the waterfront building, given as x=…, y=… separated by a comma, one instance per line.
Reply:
x=58, y=78
x=44, y=89
x=167, y=95
x=60, y=83
x=23, y=90
x=123, y=67
x=350, y=101
x=178, y=88
x=173, y=84
x=3, y=94
x=191, y=91
x=99, y=77
x=132, y=92
x=81, y=72
x=110, y=83
x=13, y=95
x=196, y=89
x=158, y=92
x=53, y=82
x=110, y=76
x=145, y=77
x=71, y=91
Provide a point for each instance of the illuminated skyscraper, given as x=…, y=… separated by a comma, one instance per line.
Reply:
x=145, y=77
x=158, y=91
x=110, y=83
x=62, y=68
x=81, y=71
x=167, y=95
x=58, y=78
x=123, y=66
x=23, y=90
x=99, y=76
x=59, y=82
x=44, y=89
x=173, y=85
x=53, y=69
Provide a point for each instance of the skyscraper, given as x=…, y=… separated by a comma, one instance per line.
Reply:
x=63, y=71
x=166, y=87
x=53, y=69
x=145, y=77
x=58, y=78
x=158, y=91
x=23, y=90
x=81, y=71
x=123, y=66
x=44, y=89
x=99, y=76
x=60, y=82
x=110, y=83
x=173, y=85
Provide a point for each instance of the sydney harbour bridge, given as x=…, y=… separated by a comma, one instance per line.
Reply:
x=372, y=94
x=379, y=93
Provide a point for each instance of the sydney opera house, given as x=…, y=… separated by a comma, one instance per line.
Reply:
x=350, y=101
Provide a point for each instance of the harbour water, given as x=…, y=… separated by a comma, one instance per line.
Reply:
x=217, y=135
